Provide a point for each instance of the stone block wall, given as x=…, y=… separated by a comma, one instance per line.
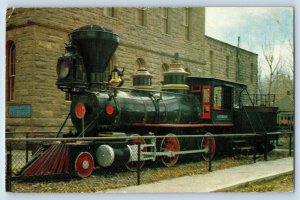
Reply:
x=225, y=64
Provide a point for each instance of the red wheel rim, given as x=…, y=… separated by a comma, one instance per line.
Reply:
x=170, y=143
x=206, y=143
x=84, y=164
x=136, y=139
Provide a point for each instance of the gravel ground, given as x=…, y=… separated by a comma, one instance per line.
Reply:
x=110, y=178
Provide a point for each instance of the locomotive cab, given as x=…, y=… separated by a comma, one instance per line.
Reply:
x=217, y=98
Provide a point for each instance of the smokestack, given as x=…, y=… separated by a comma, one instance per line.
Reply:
x=96, y=45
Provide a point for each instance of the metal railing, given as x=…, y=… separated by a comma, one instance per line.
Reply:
x=261, y=99
x=14, y=153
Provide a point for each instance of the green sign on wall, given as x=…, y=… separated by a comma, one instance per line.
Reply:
x=19, y=110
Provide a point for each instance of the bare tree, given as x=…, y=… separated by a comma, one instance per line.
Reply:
x=260, y=78
x=291, y=51
x=273, y=63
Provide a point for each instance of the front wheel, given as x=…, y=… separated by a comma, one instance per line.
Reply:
x=84, y=164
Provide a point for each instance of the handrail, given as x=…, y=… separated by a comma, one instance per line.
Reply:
x=262, y=99
x=129, y=137
x=255, y=111
x=30, y=132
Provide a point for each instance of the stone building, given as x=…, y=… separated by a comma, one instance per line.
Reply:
x=36, y=37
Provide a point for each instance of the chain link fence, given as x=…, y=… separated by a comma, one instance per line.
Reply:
x=38, y=164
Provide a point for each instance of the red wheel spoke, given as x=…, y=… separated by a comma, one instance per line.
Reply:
x=207, y=143
x=170, y=143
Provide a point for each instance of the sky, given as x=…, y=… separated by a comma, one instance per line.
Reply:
x=256, y=26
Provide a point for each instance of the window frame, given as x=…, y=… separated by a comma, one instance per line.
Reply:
x=165, y=20
x=211, y=61
x=110, y=67
x=10, y=70
x=251, y=72
x=141, y=14
x=218, y=97
x=227, y=66
x=68, y=97
x=110, y=12
x=186, y=24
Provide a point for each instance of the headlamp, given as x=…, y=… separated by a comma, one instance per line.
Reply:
x=63, y=69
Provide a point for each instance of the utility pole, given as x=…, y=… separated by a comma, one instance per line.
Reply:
x=238, y=60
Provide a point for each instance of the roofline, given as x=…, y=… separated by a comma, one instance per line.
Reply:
x=223, y=80
x=230, y=45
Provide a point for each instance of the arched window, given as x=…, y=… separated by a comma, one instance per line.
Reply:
x=111, y=65
x=188, y=70
x=139, y=63
x=164, y=68
x=10, y=70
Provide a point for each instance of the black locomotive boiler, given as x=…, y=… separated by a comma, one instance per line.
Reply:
x=185, y=105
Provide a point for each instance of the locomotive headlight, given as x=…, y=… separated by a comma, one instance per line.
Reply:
x=63, y=69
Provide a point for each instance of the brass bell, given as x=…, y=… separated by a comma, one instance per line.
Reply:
x=116, y=79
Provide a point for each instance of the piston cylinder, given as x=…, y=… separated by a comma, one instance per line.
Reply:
x=107, y=156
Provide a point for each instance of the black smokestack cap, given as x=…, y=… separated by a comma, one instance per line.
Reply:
x=96, y=45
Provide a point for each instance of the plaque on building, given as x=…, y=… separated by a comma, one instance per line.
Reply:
x=19, y=110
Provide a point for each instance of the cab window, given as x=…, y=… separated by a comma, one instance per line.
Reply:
x=218, y=98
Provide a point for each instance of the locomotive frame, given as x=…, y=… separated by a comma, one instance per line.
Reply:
x=186, y=105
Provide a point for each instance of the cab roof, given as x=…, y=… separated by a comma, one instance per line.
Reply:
x=196, y=80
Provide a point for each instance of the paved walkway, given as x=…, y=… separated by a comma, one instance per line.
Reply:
x=217, y=180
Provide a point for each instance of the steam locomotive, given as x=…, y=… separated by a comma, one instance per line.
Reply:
x=185, y=105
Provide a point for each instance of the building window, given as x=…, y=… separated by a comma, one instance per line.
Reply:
x=211, y=61
x=164, y=68
x=142, y=16
x=227, y=66
x=252, y=73
x=110, y=12
x=165, y=20
x=109, y=68
x=218, y=98
x=140, y=63
x=186, y=23
x=10, y=70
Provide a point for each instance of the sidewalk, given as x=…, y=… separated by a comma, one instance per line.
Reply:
x=217, y=180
